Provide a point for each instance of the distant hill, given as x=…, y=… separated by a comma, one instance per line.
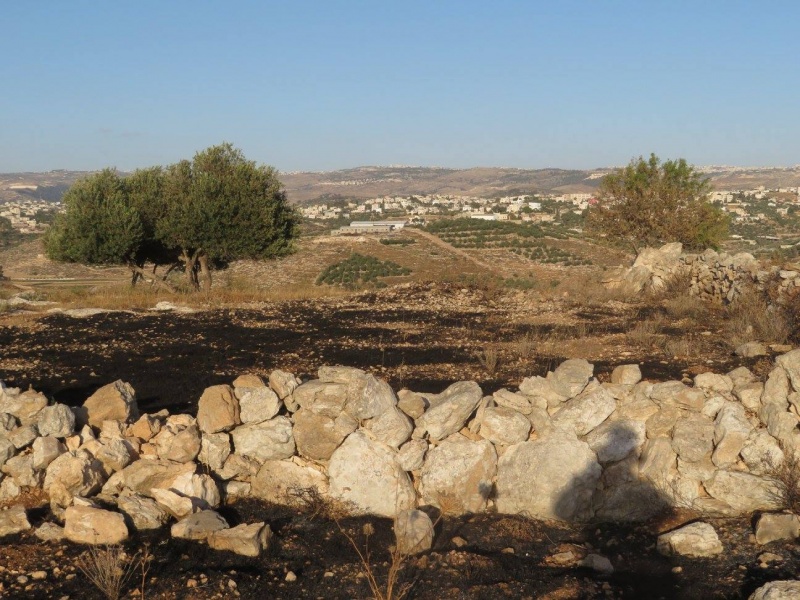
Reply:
x=369, y=182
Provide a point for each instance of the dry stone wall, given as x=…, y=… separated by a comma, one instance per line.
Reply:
x=564, y=446
x=718, y=277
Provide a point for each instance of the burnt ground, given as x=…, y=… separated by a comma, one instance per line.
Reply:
x=420, y=336
x=503, y=557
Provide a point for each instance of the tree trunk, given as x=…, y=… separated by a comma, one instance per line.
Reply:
x=190, y=263
x=139, y=273
x=205, y=272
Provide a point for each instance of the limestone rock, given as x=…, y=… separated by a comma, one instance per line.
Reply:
x=693, y=437
x=340, y=374
x=147, y=427
x=13, y=520
x=245, y=540
x=776, y=389
x=585, y=412
x=392, y=427
x=143, y=513
x=761, y=453
x=217, y=409
x=179, y=439
x=662, y=423
x=366, y=474
x=777, y=590
x=413, y=532
x=411, y=455
x=198, y=526
x=115, y=455
x=23, y=436
x=517, y=402
x=697, y=540
x=791, y=364
x=751, y=350
x=749, y=395
x=317, y=436
x=615, y=439
x=541, y=392
x=79, y=473
x=369, y=397
x=270, y=440
x=20, y=468
x=626, y=375
x=282, y=383
x=49, y=532
x=142, y=476
x=743, y=492
x=325, y=399
x=731, y=430
x=450, y=410
x=552, y=478
x=657, y=460
x=24, y=406
x=113, y=402
x=457, y=475
x=45, y=451
x=411, y=403
x=257, y=404
x=7, y=450
x=502, y=425
x=87, y=525
x=175, y=504
x=287, y=483
x=771, y=527
x=713, y=382
x=57, y=420
x=571, y=377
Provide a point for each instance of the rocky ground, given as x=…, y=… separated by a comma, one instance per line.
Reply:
x=483, y=556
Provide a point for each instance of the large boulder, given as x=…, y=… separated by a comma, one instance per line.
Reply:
x=143, y=476
x=697, y=540
x=88, y=525
x=551, y=478
x=392, y=427
x=198, y=526
x=270, y=440
x=24, y=406
x=321, y=398
x=777, y=590
x=731, y=430
x=368, y=397
x=616, y=439
x=282, y=383
x=791, y=364
x=143, y=513
x=113, y=402
x=13, y=520
x=743, y=492
x=217, y=409
x=771, y=527
x=693, y=437
x=457, y=475
x=450, y=410
x=506, y=426
x=179, y=439
x=257, y=404
x=79, y=473
x=366, y=475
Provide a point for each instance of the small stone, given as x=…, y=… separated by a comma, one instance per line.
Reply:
x=290, y=576
x=191, y=583
x=39, y=575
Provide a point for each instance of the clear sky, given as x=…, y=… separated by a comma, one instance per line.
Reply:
x=318, y=85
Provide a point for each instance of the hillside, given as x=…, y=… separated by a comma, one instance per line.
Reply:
x=372, y=181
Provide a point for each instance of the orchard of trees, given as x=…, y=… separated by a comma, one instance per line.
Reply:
x=193, y=215
x=649, y=202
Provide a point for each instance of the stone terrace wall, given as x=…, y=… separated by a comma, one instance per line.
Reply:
x=718, y=277
x=564, y=447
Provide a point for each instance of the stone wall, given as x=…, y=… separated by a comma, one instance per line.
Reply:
x=564, y=447
x=717, y=277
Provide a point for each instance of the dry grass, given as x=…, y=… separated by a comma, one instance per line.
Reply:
x=682, y=347
x=786, y=476
x=647, y=332
x=489, y=359
x=751, y=318
x=110, y=568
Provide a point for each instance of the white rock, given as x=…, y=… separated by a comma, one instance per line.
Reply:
x=287, y=483
x=24, y=406
x=57, y=420
x=215, y=448
x=697, y=540
x=366, y=474
x=585, y=412
x=552, y=478
x=258, y=404
x=369, y=397
x=731, y=430
x=45, y=451
x=113, y=402
x=571, y=377
x=457, y=475
x=245, y=540
x=411, y=455
x=13, y=520
x=713, y=382
x=450, y=410
x=771, y=527
x=413, y=532
x=541, y=392
x=506, y=426
x=615, y=439
x=87, y=525
x=142, y=512
x=282, y=383
x=626, y=374
x=693, y=437
x=777, y=590
x=743, y=492
x=762, y=453
x=791, y=364
x=79, y=473
x=179, y=439
x=270, y=440
x=392, y=427
x=317, y=436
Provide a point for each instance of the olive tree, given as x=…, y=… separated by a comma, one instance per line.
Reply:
x=216, y=208
x=649, y=202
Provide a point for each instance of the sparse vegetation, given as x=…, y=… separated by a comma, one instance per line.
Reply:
x=110, y=569
x=398, y=241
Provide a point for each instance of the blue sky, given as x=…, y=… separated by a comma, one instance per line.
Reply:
x=320, y=85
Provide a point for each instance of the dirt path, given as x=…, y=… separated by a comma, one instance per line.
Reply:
x=445, y=246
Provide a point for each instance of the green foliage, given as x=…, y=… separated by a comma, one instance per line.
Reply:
x=648, y=203
x=360, y=270
x=400, y=241
x=99, y=225
x=217, y=207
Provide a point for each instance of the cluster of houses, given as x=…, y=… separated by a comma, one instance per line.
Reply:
x=22, y=213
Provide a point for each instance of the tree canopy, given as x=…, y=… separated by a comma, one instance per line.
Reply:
x=649, y=202
x=213, y=209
